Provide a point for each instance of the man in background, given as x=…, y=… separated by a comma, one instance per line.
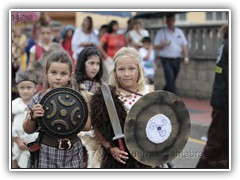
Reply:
x=172, y=45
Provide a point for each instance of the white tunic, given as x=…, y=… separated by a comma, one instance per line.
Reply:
x=80, y=37
x=19, y=110
x=148, y=65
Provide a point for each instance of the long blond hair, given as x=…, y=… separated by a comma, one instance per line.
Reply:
x=127, y=52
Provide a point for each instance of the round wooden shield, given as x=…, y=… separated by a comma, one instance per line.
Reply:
x=157, y=128
x=65, y=114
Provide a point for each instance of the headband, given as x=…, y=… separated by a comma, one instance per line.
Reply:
x=26, y=80
x=138, y=59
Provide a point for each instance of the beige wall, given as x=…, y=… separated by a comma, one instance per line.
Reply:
x=196, y=17
x=99, y=20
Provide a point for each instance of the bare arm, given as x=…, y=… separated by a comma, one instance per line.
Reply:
x=185, y=53
x=87, y=126
x=160, y=46
x=30, y=123
x=131, y=42
x=102, y=51
x=146, y=58
x=20, y=142
x=31, y=60
x=16, y=62
x=86, y=44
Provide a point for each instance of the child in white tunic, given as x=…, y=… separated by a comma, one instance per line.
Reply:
x=27, y=87
x=148, y=59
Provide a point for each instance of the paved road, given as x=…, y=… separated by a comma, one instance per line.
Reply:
x=200, y=118
x=190, y=155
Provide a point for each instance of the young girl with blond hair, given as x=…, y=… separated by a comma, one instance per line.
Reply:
x=127, y=85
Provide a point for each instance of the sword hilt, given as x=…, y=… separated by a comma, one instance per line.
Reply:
x=119, y=139
x=121, y=144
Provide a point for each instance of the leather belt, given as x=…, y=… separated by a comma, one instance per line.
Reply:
x=61, y=143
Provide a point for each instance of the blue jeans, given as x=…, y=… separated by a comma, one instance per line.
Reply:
x=171, y=68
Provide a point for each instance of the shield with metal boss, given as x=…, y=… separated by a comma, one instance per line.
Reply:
x=65, y=113
x=157, y=128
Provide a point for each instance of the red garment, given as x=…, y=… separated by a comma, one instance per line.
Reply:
x=67, y=45
x=113, y=42
x=39, y=51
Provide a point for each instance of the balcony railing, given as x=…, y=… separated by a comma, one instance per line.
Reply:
x=203, y=40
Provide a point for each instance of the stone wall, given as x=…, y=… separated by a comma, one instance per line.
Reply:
x=195, y=80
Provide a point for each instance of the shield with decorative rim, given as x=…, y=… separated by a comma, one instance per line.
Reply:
x=157, y=128
x=65, y=113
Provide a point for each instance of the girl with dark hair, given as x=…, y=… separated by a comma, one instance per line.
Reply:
x=66, y=38
x=89, y=69
x=88, y=75
x=111, y=27
x=58, y=73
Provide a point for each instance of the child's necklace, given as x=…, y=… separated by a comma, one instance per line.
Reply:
x=128, y=99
